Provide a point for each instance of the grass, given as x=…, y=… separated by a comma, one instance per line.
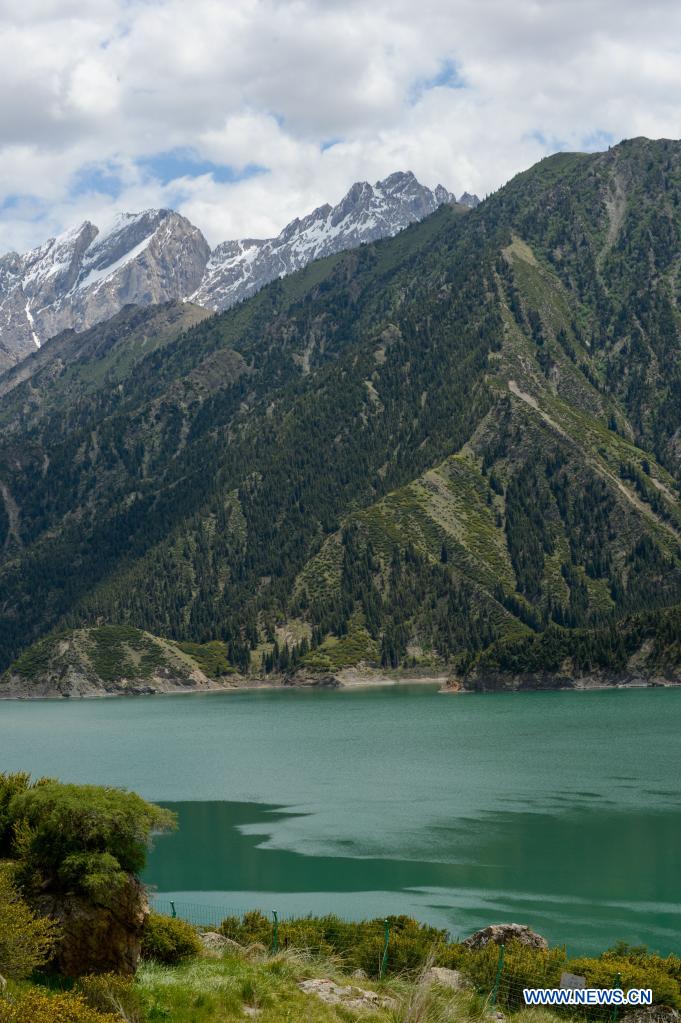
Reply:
x=239, y=985
x=334, y=654
x=211, y=657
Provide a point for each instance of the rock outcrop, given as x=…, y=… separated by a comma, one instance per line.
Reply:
x=453, y=979
x=237, y=269
x=98, y=936
x=502, y=934
x=216, y=943
x=652, y=1014
x=349, y=996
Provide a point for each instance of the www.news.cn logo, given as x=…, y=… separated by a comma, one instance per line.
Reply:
x=587, y=996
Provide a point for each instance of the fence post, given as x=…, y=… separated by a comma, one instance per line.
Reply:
x=618, y=983
x=384, y=957
x=275, y=932
x=497, y=979
x=172, y=909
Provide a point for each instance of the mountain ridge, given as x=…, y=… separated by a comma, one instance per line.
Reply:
x=85, y=275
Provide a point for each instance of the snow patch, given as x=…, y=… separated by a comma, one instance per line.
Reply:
x=96, y=278
x=31, y=323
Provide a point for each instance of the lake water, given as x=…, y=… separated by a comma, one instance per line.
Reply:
x=560, y=810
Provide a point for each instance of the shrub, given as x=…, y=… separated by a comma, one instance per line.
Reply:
x=85, y=837
x=523, y=967
x=640, y=956
x=35, y=1006
x=12, y=785
x=252, y=928
x=169, y=940
x=109, y=992
x=26, y=940
x=603, y=972
x=358, y=944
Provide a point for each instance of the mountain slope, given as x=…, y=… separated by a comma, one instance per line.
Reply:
x=113, y=660
x=86, y=275
x=398, y=455
x=642, y=648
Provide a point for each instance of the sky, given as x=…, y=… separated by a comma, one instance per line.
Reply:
x=243, y=114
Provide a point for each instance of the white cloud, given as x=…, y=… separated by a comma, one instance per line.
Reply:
x=318, y=92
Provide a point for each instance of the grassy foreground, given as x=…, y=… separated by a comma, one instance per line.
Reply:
x=234, y=986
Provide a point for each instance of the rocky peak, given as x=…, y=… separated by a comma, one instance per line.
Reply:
x=86, y=275
x=469, y=200
x=364, y=214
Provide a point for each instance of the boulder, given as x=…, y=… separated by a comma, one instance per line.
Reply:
x=213, y=941
x=448, y=978
x=101, y=936
x=348, y=996
x=503, y=934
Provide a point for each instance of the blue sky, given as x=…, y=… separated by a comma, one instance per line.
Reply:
x=245, y=114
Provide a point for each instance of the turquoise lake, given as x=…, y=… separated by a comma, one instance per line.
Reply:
x=560, y=810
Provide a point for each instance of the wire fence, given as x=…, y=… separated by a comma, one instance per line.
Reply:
x=307, y=935
x=197, y=913
x=520, y=967
x=498, y=973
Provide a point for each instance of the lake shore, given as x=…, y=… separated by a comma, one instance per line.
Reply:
x=88, y=690
x=79, y=688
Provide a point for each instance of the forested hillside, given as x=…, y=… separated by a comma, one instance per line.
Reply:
x=468, y=433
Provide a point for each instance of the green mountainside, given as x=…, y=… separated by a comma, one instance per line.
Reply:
x=460, y=436
x=113, y=660
x=643, y=648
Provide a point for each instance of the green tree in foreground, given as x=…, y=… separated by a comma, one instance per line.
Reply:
x=76, y=851
x=82, y=837
x=26, y=940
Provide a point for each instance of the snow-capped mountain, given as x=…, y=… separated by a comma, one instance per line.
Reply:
x=238, y=269
x=86, y=275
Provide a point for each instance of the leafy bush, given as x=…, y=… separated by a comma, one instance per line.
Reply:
x=81, y=836
x=358, y=944
x=523, y=967
x=169, y=940
x=12, y=785
x=640, y=956
x=250, y=929
x=626, y=972
x=36, y=1006
x=26, y=940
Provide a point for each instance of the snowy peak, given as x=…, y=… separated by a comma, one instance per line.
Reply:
x=86, y=275
x=366, y=213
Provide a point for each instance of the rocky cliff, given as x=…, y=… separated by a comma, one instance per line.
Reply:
x=86, y=275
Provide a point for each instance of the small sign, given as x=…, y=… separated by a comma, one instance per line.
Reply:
x=572, y=980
